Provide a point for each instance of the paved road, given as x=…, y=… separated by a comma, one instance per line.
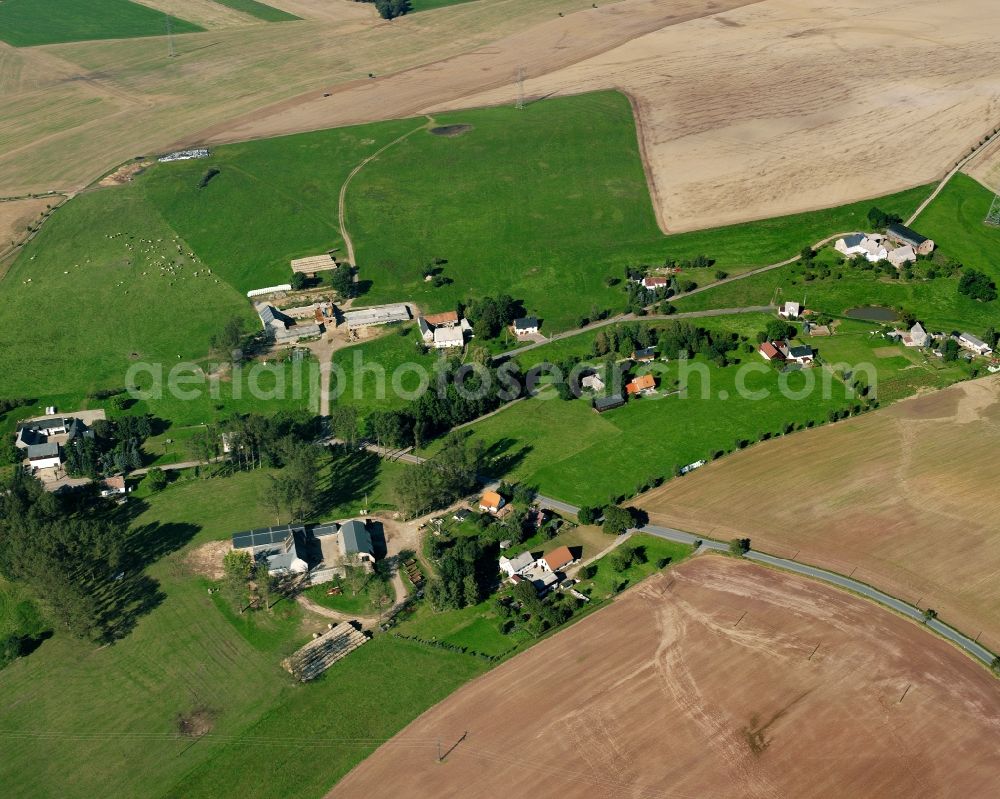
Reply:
x=838, y=580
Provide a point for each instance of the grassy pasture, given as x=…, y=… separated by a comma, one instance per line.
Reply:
x=258, y=10
x=570, y=452
x=25, y=23
x=90, y=297
x=543, y=203
x=954, y=220
x=364, y=365
x=273, y=199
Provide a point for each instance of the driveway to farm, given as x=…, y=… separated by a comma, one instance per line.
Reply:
x=840, y=581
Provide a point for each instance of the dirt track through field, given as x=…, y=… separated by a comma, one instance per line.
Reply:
x=903, y=499
x=717, y=678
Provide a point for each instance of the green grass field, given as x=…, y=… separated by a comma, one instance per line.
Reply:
x=570, y=452
x=25, y=23
x=292, y=181
x=607, y=582
x=368, y=370
x=955, y=222
x=427, y=5
x=543, y=203
x=259, y=10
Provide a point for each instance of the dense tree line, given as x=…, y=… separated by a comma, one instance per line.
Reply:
x=466, y=573
x=58, y=552
x=116, y=447
x=536, y=615
x=449, y=475
x=462, y=394
x=256, y=441
x=880, y=220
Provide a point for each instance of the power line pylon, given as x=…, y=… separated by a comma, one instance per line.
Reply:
x=171, y=51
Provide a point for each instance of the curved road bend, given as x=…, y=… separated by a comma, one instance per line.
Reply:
x=840, y=581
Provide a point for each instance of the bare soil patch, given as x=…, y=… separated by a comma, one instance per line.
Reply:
x=717, y=678
x=16, y=215
x=196, y=723
x=904, y=499
x=206, y=560
x=124, y=174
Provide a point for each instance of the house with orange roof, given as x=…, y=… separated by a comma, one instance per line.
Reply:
x=641, y=385
x=557, y=559
x=491, y=502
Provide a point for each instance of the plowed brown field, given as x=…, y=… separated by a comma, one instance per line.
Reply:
x=903, y=498
x=717, y=679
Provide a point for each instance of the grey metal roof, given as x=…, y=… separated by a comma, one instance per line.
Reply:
x=323, y=530
x=903, y=233
x=525, y=322
x=854, y=239
x=975, y=341
x=47, y=450
x=606, y=403
x=356, y=538
x=801, y=351
x=646, y=352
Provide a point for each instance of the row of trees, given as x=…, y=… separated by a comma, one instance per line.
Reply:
x=116, y=447
x=449, y=475
x=490, y=315
x=467, y=394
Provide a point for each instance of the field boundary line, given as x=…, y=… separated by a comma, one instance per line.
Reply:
x=342, y=200
x=976, y=151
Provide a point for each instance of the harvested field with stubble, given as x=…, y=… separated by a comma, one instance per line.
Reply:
x=717, y=678
x=903, y=498
x=785, y=106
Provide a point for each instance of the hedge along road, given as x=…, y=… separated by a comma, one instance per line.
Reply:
x=965, y=643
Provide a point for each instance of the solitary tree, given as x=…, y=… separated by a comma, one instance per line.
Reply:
x=739, y=547
x=265, y=583
x=157, y=479
x=995, y=666
x=236, y=566
x=929, y=615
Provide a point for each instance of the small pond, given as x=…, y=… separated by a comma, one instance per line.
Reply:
x=872, y=313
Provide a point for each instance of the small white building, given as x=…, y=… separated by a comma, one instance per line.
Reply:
x=868, y=245
x=519, y=564
x=916, y=337
x=902, y=255
x=974, y=344
x=448, y=337
x=790, y=310
x=593, y=382
x=44, y=456
x=525, y=326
